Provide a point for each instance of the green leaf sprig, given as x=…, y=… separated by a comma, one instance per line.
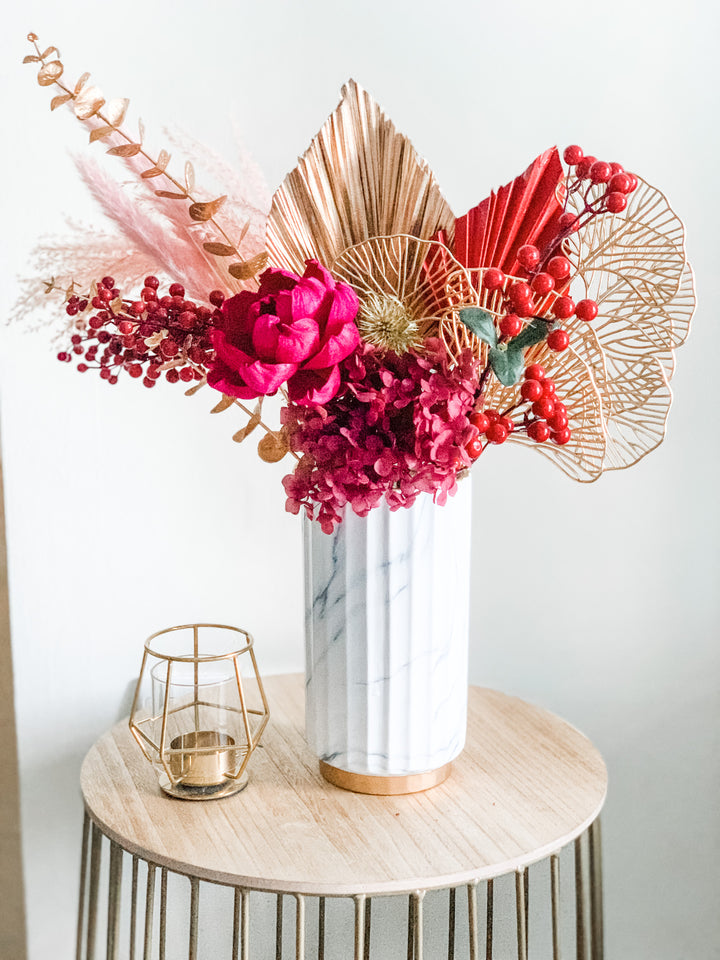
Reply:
x=507, y=360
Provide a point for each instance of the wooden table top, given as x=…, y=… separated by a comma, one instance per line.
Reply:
x=526, y=784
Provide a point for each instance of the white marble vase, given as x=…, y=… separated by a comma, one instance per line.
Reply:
x=387, y=607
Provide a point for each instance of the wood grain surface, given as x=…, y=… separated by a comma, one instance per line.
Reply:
x=526, y=784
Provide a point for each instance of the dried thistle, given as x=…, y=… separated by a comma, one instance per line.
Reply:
x=386, y=322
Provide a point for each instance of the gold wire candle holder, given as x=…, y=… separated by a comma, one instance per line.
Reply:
x=199, y=709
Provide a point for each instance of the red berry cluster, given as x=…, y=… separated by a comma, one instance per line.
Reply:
x=615, y=183
x=546, y=418
x=146, y=337
x=491, y=424
x=525, y=298
x=547, y=271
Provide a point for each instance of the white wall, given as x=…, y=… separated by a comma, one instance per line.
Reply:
x=129, y=510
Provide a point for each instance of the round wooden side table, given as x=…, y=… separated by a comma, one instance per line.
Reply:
x=526, y=792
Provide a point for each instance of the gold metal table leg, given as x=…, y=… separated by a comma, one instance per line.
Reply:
x=359, y=928
x=596, y=888
x=521, y=913
x=237, y=900
x=194, y=916
x=95, y=854
x=114, y=890
x=163, y=911
x=452, y=897
x=300, y=928
x=580, y=913
x=279, y=927
x=368, y=927
x=489, y=919
x=472, y=920
x=321, y=929
x=555, y=903
x=133, y=908
x=83, y=881
x=149, y=911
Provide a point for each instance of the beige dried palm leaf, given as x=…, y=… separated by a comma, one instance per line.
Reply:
x=360, y=178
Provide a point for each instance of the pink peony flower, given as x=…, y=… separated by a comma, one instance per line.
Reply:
x=294, y=330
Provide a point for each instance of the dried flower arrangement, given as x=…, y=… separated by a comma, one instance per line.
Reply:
x=403, y=341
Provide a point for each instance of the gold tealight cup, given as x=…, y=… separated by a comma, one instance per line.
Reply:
x=201, y=758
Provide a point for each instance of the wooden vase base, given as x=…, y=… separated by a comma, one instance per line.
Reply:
x=379, y=786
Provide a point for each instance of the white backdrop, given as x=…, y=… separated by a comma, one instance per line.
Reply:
x=129, y=510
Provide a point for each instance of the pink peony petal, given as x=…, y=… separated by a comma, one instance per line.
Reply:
x=307, y=298
x=298, y=341
x=231, y=354
x=283, y=306
x=345, y=304
x=273, y=281
x=265, y=338
x=235, y=310
x=316, y=271
x=312, y=387
x=265, y=378
x=227, y=381
x=335, y=347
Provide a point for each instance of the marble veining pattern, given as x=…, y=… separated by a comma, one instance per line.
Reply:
x=387, y=601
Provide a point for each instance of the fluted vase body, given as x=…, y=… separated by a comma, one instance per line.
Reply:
x=387, y=607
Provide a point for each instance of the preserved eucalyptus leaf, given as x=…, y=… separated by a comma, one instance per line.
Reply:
x=99, y=133
x=272, y=447
x=60, y=100
x=206, y=210
x=125, y=150
x=220, y=249
x=223, y=404
x=50, y=73
x=88, y=102
x=246, y=269
x=81, y=83
x=194, y=389
x=247, y=429
x=189, y=177
x=116, y=109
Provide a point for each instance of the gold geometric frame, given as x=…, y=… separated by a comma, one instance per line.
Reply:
x=177, y=758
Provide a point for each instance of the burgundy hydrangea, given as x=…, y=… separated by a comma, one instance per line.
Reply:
x=398, y=428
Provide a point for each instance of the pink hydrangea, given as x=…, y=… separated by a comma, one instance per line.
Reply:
x=294, y=331
x=398, y=428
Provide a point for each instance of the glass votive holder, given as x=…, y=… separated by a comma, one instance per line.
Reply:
x=199, y=708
